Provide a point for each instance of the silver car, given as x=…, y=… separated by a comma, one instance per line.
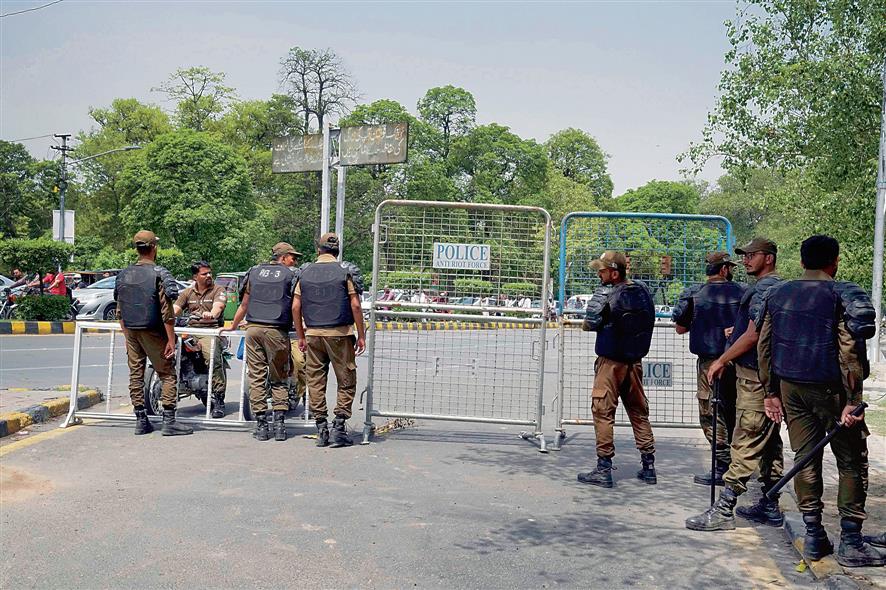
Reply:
x=96, y=302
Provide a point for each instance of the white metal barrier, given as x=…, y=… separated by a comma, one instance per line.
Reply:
x=112, y=328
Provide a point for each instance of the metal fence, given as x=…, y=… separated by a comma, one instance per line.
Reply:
x=667, y=252
x=480, y=274
x=93, y=335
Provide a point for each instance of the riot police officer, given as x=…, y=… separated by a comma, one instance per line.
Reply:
x=145, y=293
x=756, y=440
x=812, y=365
x=623, y=315
x=266, y=304
x=706, y=311
x=326, y=308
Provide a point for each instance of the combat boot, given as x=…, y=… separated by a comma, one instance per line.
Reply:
x=705, y=478
x=279, y=425
x=142, y=424
x=322, y=433
x=765, y=511
x=718, y=517
x=601, y=476
x=340, y=436
x=853, y=551
x=647, y=473
x=816, y=544
x=218, y=407
x=171, y=427
x=261, y=426
x=878, y=541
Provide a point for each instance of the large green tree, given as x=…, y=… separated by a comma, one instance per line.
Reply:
x=451, y=111
x=27, y=192
x=578, y=157
x=195, y=193
x=200, y=95
x=660, y=196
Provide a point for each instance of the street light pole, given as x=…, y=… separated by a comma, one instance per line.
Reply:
x=879, y=229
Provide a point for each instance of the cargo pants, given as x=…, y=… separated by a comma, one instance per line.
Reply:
x=267, y=360
x=149, y=344
x=219, y=375
x=338, y=351
x=614, y=380
x=725, y=412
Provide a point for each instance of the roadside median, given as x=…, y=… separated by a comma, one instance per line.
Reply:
x=12, y=422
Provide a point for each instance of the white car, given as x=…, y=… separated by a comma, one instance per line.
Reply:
x=96, y=302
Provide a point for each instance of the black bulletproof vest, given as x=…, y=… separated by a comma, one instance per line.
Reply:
x=804, y=331
x=270, y=295
x=627, y=334
x=324, y=296
x=714, y=308
x=746, y=314
x=138, y=297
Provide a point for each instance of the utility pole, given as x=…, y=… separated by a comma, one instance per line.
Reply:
x=64, y=148
x=879, y=229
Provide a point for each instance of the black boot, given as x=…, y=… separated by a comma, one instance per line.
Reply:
x=261, y=426
x=816, y=544
x=876, y=540
x=218, y=407
x=171, y=427
x=340, y=436
x=322, y=433
x=765, y=511
x=853, y=551
x=279, y=425
x=142, y=424
x=718, y=517
x=705, y=478
x=647, y=473
x=601, y=476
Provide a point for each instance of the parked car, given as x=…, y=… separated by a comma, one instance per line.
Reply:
x=96, y=302
x=576, y=305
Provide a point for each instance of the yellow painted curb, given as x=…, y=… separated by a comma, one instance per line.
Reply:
x=12, y=422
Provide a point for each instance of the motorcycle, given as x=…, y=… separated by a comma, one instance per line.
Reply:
x=193, y=372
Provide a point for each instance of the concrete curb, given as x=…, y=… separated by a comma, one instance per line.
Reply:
x=20, y=327
x=12, y=422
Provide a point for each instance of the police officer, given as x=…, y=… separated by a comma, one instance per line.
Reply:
x=205, y=302
x=144, y=293
x=266, y=304
x=326, y=308
x=812, y=364
x=622, y=314
x=756, y=440
x=706, y=311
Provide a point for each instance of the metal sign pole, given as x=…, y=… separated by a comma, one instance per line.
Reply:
x=324, y=194
x=879, y=221
x=340, y=210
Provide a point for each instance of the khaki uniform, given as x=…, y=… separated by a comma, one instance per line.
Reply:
x=195, y=303
x=298, y=373
x=150, y=344
x=756, y=440
x=613, y=380
x=811, y=410
x=334, y=346
x=268, y=358
x=726, y=411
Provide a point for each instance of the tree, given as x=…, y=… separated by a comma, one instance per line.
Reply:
x=194, y=192
x=126, y=122
x=579, y=158
x=199, y=93
x=318, y=84
x=494, y=165
x=27, y=192
x=660, y=196
x=39, y=256
x=451, y=111
x=801, y=96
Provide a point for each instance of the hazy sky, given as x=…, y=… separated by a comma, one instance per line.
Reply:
x=638, y=76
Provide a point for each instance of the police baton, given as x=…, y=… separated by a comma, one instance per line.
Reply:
x=715, y=403
x=858, y=411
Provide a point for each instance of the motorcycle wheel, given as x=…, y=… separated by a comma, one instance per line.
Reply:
x=153, y=406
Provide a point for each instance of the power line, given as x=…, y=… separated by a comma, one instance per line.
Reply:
x=29, y=9
x=28, y=138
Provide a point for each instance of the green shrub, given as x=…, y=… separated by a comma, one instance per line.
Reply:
x=473, y=286
x=50, y=308
x=402, y=279
x=514, y=289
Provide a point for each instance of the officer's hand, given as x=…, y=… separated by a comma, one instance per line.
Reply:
x=847, y=419
x=586, y=326
x=169, y=350
x=773, y=409
x=302, y=345
x=728, y=331
x=715, y=370
x=360, y=346
x=207, y=315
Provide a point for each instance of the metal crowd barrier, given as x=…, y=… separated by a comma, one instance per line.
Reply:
x=112, y=328
x=469, y=373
